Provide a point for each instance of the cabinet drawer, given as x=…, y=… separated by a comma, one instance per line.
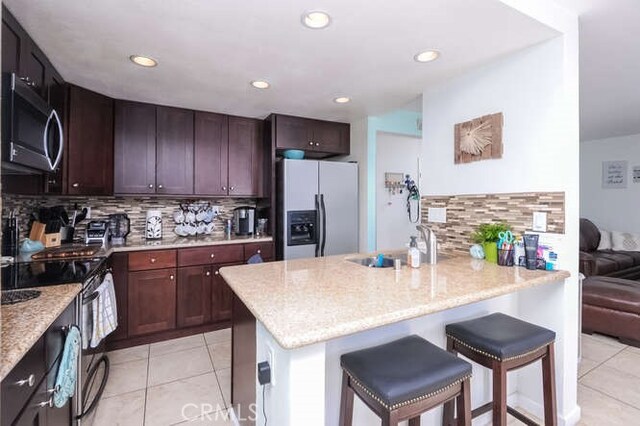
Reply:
x=212, y=254
x=152, y=259
x=22, y=381
x=263, y=249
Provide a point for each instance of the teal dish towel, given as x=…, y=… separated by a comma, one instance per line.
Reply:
x=68, y=370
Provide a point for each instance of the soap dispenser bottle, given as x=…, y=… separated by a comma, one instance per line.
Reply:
x=413, y=255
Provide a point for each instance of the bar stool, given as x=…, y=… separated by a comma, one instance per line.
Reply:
x=503, y=343
x=402, y=379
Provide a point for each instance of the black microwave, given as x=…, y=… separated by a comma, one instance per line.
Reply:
x=33, y=138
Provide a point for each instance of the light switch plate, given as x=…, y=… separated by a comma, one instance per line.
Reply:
x=437, y=214
x=539, y=222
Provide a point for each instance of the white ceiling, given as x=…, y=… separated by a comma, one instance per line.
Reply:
x=208, y=51
x=609, y=67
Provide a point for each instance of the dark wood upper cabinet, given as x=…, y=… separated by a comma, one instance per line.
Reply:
x=211, y=145
x=293, y=133
x=245, y=157
x=135, y=148
x=89, y=143
x=194, y=295
x=174, y=151
x=151, y=301
x=316, y=137
x=11, y=47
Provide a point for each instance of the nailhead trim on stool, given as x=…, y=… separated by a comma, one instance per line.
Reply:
x=493, y=356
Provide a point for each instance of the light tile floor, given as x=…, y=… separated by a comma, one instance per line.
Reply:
x=151, y=384
x=185, y=381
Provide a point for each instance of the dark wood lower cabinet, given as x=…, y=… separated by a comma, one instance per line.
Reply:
x=152, y=301
x=243, y=362
x=194, y=293
x=222, y=296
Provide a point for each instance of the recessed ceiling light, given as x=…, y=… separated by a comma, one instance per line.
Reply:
x=143, y=61
x=427, y=56
x=316, y=19
x=260, y=84
x=342, y=99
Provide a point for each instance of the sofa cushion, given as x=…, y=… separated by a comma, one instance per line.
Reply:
x=605, y=266
x=623, y=260
x=613, y=293
x=635, y=255
x=589, y=235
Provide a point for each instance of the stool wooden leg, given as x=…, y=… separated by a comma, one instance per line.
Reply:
x=464, y=404
x=390, y=419
x=499, y=394
x=346, y=402
x=549, y=387
x=448, y=409
x=414, y=421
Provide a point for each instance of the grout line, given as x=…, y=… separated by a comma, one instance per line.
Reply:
x=610, y=396
x=146, y=389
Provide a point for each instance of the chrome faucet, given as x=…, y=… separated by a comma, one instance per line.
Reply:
x=429, y=256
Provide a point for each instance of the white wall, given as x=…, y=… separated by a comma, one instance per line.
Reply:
x=610, y=209
x=536, y=89
x=394, y=154
x=359, y=130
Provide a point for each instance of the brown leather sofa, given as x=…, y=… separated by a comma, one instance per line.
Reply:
x=611, y=306
x=621, y=264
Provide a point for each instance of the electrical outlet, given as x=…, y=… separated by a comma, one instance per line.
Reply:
x=437, y=214
x=271, y=359
x=539, y=222
x=88, y=213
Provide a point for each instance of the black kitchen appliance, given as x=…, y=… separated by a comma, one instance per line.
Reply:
x=244, y=220
x=302, y=227
x=97, y=232
x=119, y=227
x=32, y=130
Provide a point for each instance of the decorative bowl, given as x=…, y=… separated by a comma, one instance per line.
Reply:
x=293, y=154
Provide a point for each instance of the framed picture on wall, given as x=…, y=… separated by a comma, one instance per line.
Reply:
x=614, y=174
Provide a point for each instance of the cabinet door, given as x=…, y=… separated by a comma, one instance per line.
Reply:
x=293, y=133
x=194, y=295
x=211, y=147
x=245, y=156
x=11, y=45
x=90, y=143
x=151, y=301
x=119, y=265
x=33, y=65
x=221, y=296
x=135, y=148
x=35, y=411
x=331, y=137
x=174, y=157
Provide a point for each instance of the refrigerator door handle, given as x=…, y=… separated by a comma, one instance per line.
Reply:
x=316, y=231
x=324, y=224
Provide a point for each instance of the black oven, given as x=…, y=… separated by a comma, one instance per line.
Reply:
x=32, y=130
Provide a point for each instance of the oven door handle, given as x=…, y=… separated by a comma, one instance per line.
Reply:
x=93, y=296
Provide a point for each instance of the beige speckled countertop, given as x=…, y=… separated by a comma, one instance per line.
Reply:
x=306, y=301
x=24, y=323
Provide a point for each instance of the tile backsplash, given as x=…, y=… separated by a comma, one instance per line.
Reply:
x=466, y=212
x=135, y=207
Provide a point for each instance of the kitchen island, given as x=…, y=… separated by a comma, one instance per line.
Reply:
x=310, y=311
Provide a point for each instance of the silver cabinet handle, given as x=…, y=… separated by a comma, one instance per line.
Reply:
x=212, y=255
x=171, y=277
x=160, y=186
x=233, y=188
x=259, y=251
x=150, y=186
x=208, y=273
x=224, y=188
x=317, y=143
x=30, y=381
x=47, y=403
x=217, y=273
x=75, y=185
x=152, y=260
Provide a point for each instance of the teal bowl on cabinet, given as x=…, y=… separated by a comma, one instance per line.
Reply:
x=293, y=154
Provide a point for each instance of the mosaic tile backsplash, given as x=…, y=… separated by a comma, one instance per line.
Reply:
x=135, y=207
x=466, y=212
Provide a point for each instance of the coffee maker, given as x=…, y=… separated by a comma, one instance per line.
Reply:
x=244, y=220
x=119, y=225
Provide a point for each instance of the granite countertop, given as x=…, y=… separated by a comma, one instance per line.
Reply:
x=306, y=301
x=24, y=323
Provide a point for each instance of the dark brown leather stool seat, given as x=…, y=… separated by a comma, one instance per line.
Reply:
x=401, y=379
x=503, y=343
x=612, y=306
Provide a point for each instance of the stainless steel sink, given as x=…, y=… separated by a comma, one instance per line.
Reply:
x=372, y=262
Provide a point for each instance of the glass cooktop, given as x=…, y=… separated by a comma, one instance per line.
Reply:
x=49, y=272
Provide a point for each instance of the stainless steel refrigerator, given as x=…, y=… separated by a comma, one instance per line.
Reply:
x=317, y=208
